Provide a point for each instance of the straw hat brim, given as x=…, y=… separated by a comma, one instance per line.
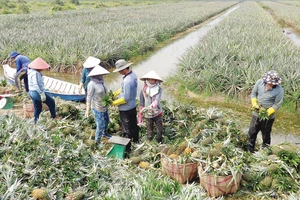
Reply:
x=122, y=67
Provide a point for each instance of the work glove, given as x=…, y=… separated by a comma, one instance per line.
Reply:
x=270, y=111
x=255, y=106
x=119, y=101
x=43, y=96
x=80, y=88
x=116, y=93
x=88, y=108
x=140, y=116
x=154, y=104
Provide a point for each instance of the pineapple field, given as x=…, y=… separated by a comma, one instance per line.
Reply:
x=204, y=150
x=59, y=159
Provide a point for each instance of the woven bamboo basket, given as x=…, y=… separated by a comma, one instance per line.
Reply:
x=219, y=185
x=28, y=110
x=179, y=172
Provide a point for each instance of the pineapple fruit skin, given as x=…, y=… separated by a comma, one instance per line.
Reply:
x=78, y=195
x=39, y=194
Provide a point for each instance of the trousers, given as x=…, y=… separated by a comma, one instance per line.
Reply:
x=256, y=125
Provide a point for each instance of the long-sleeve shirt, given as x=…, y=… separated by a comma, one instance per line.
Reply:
x=271, y=98
x=85, y=79
x=146, y=100
x=95, y=93
x=35, y=81
x=129, y=91
x=21, y=62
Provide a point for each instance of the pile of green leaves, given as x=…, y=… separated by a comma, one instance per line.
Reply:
x=108, y=99
x=263, y=115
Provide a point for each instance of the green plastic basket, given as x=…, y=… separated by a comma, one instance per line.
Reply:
x=117, y=151
x=6, y=103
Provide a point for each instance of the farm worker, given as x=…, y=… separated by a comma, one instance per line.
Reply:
x=21, y=70
x=36, y=88
x=126, y=101
x=88, y=65
x=267, y=93
x=96, y=90
x=150, y=104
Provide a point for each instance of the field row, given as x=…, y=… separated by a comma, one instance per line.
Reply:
x=65, y=39
x=287, y=14
x=251, y=43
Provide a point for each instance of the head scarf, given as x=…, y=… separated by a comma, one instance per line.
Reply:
x=151, y=89
x=98, y=79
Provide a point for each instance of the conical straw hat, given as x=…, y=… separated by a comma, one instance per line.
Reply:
x=152, y=75
x=98, y=70
x=38, y=63
x=91, y=62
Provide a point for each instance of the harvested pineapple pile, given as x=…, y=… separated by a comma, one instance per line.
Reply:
x=274, y=169
x=55, y=156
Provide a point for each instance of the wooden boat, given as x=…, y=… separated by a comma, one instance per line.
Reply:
x=56, y=88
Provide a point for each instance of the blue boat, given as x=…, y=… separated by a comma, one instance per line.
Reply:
x=56, y=88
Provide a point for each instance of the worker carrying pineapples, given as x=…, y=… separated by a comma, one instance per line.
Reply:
x=126, y=101
x=96, y=91
x=150, y=106
x=266, y=97
x=22, y=63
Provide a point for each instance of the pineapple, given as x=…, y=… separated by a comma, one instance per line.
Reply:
x=78, y=195
x=267, y=181
x=39, y=194
x=144, y=165
x=188, y=150
x=136, y=159
x=173, y=156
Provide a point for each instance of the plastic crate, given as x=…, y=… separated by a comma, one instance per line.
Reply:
x=117, y=151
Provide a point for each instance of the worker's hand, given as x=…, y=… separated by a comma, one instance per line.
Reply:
x=116, y=93
x=88, y=108
x=43, y=96
x=80, y=88
x=140, y=115
x=118, y=102
x=154, y=104
x=270, y=111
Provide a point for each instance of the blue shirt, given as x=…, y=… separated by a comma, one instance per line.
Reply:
x=85, y=79
x=129, y=91
x=271, y=98
x=22, y=62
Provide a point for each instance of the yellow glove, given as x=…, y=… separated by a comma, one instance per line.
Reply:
x=118, y=102
x=88, y=108
x=116, y=93
x=80, y=88
x=270, y=111
x=254, y=103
